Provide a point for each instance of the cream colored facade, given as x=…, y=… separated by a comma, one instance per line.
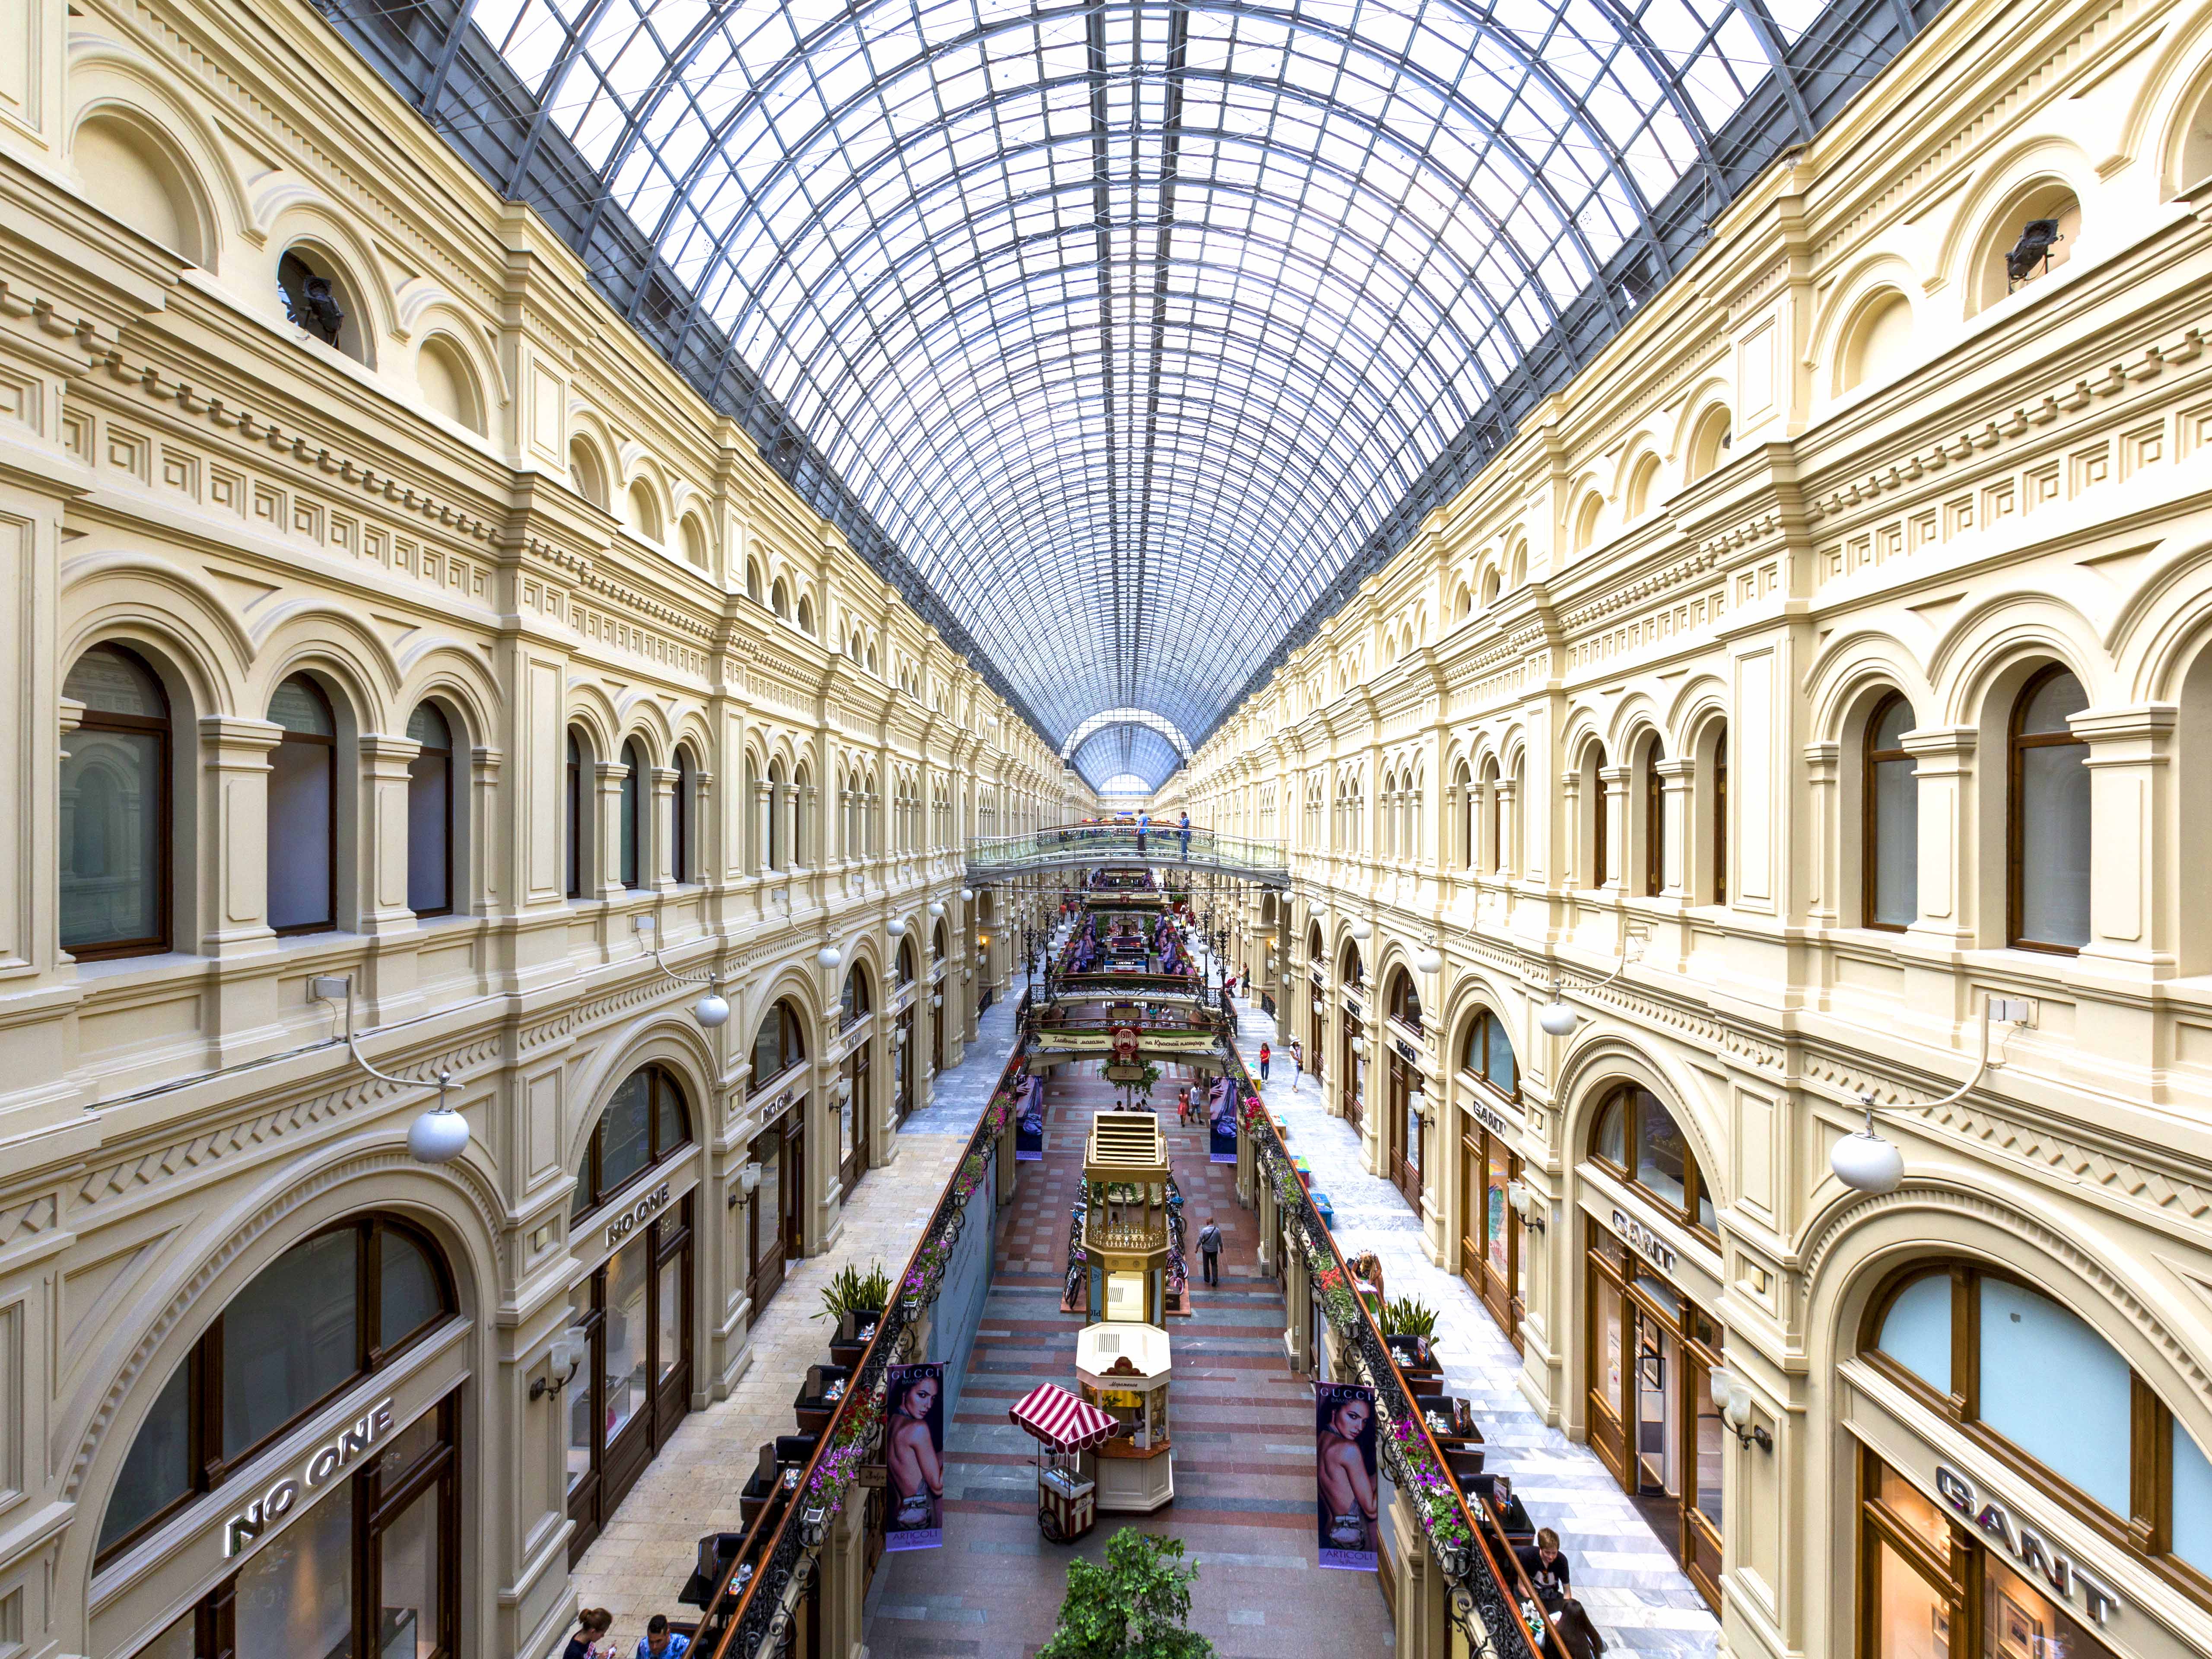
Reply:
x=489, y=496
x=1927, y=485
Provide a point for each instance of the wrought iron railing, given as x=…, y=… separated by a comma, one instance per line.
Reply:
x=1104, y=844
x=751, y=1601
x=1490, y=1598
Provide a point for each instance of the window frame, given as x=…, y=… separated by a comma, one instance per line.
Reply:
x=1485, y=1023
x=794, y=1032
x=658, y=1077
x=328, y=922
x=2147, y=1529
x=2017, y=742
x=1624, y=1096
x=1720, y=871
x=574, y=808
x=679, y=818
x=1870, y=758
x=446, y=753
x=207, y=1465
x=165, y=817
x=1654, y=819
x=630, y=849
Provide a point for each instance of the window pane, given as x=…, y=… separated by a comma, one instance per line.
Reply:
x=429, y=829
x=1917, y=1331
x=289, y=1339
x=1708, y=1451
x=159, y=1468
x=295, y=1594
x=768, y=1196
x=670, y=1129
x=409, y=1588
x=668, y=1310
x=298, y=706
x=300, y=809
x=626, y=1315
x=408, y=1291
x=2023, y=1623
x=1660, y=1153
x=179, y=1641
x=111, y=831
x=428, y=727
x=1896, y=803
x=580, y=1395
x=1893, y=722
x=624, y=1149
x=1610, y=1141
x=107, y=681
x=1911, y=1619
x=1493, y=1211
x=2051, y=1387
x=408, y=1448
x=2054, y=844
x=1505, y=1077
x=1909, y=1506
x=2192, y=1501
x=629, y=841
x=1609, y=1341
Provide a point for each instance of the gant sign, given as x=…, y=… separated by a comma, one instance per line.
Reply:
x=2036, y=1555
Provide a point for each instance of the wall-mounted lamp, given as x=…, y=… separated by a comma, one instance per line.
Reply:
x=937, y=999
x=1526, y=1205
x=1559, y=1020
x=1428, y=959
x=1731, y=1399
x=1866, y=1163
x=711, y=1010
x=828, y=958
x=438, y=1135
x=569, y=1350
x=1363, y=930
x=747, y=1183
x=896, y=927
x=937, y=907
x=967, y=896
x=1359, y=1045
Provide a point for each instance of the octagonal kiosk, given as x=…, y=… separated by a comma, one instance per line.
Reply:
x=1124, y=1369
x=1123, y=1359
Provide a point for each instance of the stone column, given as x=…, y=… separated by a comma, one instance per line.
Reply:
x=379, y=882
x=1509, y=827
x=1615, y=780
x=1679, y=780
x=659, y=863
x=1945, y=773
x=606, y=881
x=233, y=843
x=2134, y=913
x=1574, y=854
x=763, y=815
x=483, y=880
x=805, y=825
x=1823, y=883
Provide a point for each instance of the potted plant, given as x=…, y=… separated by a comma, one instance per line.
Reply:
x=851, y=1291
x=1135, y=1607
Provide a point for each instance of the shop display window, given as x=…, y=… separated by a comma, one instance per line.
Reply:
x=295, y=1594
x=1637, y=1137
x=1912, y=1617
x=2034, y=1384
x=332, y=1309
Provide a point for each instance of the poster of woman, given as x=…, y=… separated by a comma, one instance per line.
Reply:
x=1028, y=1123
x=1221, y=1117
x=914, y=1456
x=1343, y=1469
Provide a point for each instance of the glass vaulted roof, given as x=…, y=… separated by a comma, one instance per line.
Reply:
x=1132, y=330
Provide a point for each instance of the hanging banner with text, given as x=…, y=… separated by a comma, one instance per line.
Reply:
x=1344, y=1470
x=914, y=1456
x=1221, y=1116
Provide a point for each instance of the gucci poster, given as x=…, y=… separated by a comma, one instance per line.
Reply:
x=1221, y=1117
x=1344, y=1470
x=1029, y=1120
x=914, y=1456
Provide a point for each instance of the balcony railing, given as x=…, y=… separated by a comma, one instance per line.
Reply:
x=1110, y=844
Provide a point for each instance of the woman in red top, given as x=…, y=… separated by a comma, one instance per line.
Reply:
x=1263, y=1062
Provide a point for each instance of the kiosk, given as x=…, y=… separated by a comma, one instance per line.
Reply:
x=1125, y=1218
x=1124, y=1369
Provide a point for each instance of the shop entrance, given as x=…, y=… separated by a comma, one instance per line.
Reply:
x=1489, y=1231
x=626, y=1400
x=1651, y=1355
x=1401, y=1127
x=767, y=1226
x=1348, y=1071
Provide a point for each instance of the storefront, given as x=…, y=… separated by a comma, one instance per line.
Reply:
x=1651, y=1276
x=2021, y=1493
x=902, y=1065
x=768, y=1215
x=1351, y=1064
x=856, y=1026
x=1403, y=1151
x=634, y=1304
x=1489, y=1231
x=336, y=1379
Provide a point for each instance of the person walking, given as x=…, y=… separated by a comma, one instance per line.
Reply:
x=591, y=1627
x=661, y=1643
x=1209, y=1250
x=1578, y=1636
x=1143, y=823
x=1298, y=1062
x=1183, y=1106
x=1264, y=1058
x=1185, y=831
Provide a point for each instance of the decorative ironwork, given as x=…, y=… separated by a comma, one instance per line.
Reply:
x=1000, y=858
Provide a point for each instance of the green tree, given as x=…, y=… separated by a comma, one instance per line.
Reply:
x=1133, y=1607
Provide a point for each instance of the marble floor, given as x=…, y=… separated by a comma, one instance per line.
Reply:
x=1241, y=1427
x=638, y=1564
x=1638, y=1598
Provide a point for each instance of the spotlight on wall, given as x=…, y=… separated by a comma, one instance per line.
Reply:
x=2037, y=237
x=1732, y=1400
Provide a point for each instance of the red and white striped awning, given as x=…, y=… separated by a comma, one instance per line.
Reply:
x=1063, y=1421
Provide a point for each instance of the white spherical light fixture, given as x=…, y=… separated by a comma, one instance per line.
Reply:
x=1866, y=1163
x=895, y=928
x=829, y=956
x=967, y=896
x=712, y=1010
x=438, y=1136
x=1363, y=931
x=1556, y=1017
x=1429, y=959
x=937, y=907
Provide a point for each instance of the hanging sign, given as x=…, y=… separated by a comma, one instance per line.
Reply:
x=1343, y=1473
x=914, y=1456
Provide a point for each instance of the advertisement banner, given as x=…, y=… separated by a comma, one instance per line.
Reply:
x=1344, y=1470
x=1029, y=1121
x=1221, y=1115
x=914, y=1457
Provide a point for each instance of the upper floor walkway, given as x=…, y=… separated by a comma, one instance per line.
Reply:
x=1082, y=846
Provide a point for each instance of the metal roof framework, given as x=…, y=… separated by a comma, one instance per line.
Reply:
x=1127, y=336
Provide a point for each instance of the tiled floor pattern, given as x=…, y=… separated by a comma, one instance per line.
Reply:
x=1622, y=1573
x=1242, y=1426
x=637, y=1565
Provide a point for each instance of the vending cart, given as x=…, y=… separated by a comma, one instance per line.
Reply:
x=1064, y=1427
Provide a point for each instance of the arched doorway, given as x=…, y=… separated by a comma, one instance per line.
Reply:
x=937, y=983
x=903, y=1059
x=1489, y=1231
x=356, y=1547
x=1351, y=1041
x=1317, y=1014
x=634, y=1305
x=772, y=1238
x=1404, y=1153
x=854, y=1012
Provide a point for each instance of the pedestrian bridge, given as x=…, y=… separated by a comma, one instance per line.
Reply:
x=1083, y=846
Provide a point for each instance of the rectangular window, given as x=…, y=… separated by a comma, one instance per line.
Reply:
x=1912, y=1618
x=295, y=1594
x=411, y=1553
x=625, y=1336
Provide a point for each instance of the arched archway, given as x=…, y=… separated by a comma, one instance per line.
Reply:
x=854, y=1111
x=1405, y=1150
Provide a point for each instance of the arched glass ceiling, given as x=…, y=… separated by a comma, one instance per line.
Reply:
x=1124, y=717
x=1128, y=330
x=1125, y=784
x=1126, y=746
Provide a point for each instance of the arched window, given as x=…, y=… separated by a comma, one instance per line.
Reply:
x=1709, y=445
x=1351, y=970
x=2030, y=239
x=318, y=298
x=679, y=816
x=115, y=809
x=430, y=814
x=780, y=1045
x=133, y=173
x=1405, y=999
x=1639, y=1139
x=303, y=825
x=753, y=580
x=572, y=799
x=1594, y=785
x=644, y=511
x=853, y=1003
x=806, y=614
x=906, y=962
x=1889, y=798
x=633, y=842
x=1983, y=1347
x=1654, y=819
x=2047, y=819
x=330, y=1310
x=646, y=1122
x=1641, y=479
x=585, y=472
x=1470, y=805
x=937, y=944
x=695, y=542
x=779, y=599
x=778, y=853
x=1488, y=1054
x=1717, y=802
